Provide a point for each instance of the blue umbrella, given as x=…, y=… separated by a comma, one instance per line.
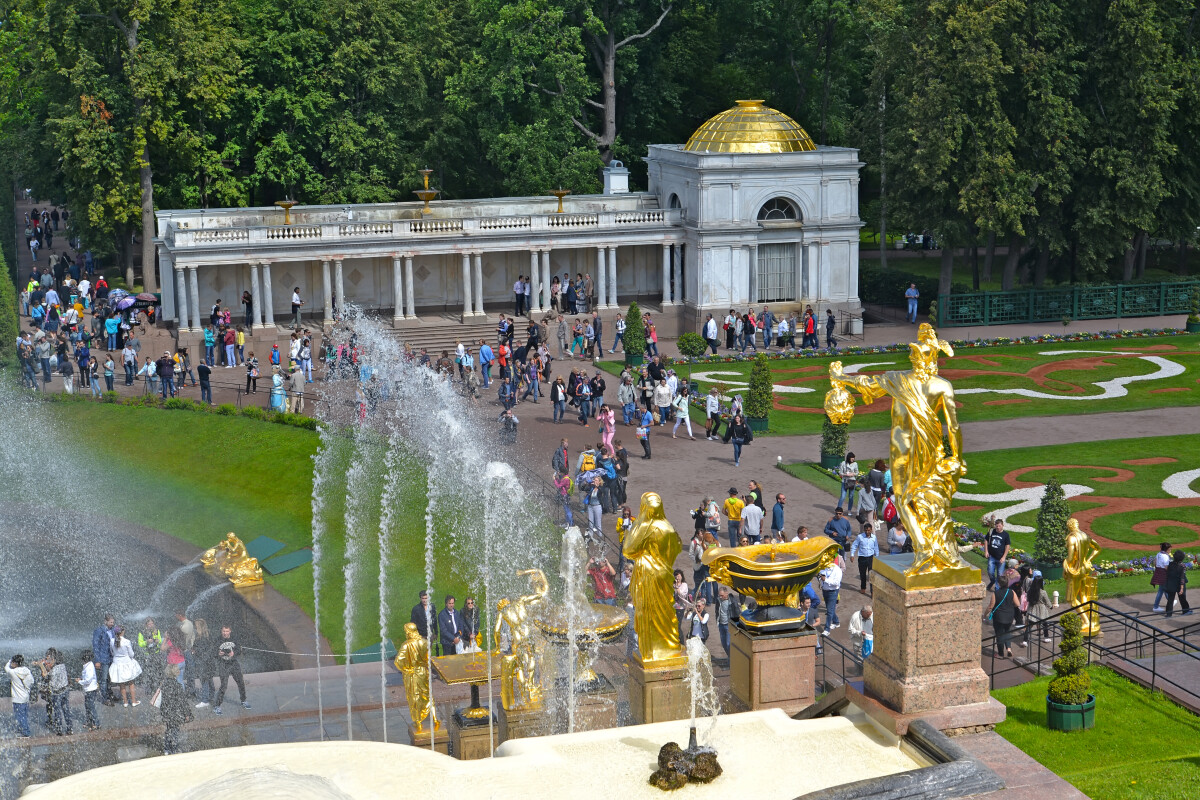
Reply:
x=125, y=302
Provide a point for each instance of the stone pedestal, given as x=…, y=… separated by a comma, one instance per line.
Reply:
x=926, y=654
x=472, y=741
x=595, y=706
x=773, y=671
x=441, y=740
x=658, y=695
x=524, y=724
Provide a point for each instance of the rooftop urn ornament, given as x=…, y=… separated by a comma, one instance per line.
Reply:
x=560, y=193
x=287, y=206
x=426, y=194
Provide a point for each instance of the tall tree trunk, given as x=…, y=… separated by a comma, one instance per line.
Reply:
x=946, y=276
x=149, y=257
x=1043, y=263
x=988, y=256
x=125, y=252
x=975, y=266
x=883, y=242
x=1181, y=266
x=1143, y=243
x=608, y=89
x=1011, y=261
x=1128, y=262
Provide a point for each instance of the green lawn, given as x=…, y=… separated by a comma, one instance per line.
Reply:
x=196, y=476
x=801, y=383
x=1143, y=747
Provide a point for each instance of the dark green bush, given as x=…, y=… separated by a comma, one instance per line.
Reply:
x=179, y=404
x=1050, y=546
x=254, y=412
x=887, y=287
x=295, y=420
x=635, y=331
x=761, y=395
x=1071, y=682
x=227, y=410
x=834, y=438
x=691, y=345
x=110, y=397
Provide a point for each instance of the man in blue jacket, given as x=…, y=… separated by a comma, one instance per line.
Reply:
x=767, y=319
x=777, y=518
x=102, y=641
x=838, y=528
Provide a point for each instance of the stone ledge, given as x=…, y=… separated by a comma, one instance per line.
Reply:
x=988, y=713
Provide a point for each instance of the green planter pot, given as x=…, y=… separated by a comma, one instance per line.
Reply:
x=1062, y=717
x=758, y=424
x=634, y=361
x=1052, y=571
x=830, y=461
x=1192, y=327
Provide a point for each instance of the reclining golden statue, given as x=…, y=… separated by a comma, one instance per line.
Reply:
x=230, y=557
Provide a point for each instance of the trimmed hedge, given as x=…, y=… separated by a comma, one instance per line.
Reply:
x=8, y=314
x=886, y=287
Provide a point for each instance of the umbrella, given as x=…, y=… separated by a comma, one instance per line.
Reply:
x=124, y=303
x=147, y=297
x=117, y=294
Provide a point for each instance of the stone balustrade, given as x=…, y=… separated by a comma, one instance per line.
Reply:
x=421, y=228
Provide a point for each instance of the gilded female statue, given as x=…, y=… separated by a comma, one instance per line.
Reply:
x=924, y=475
x=653, y=545
x=413, y=661
x=521, y=669
x=1081, y=579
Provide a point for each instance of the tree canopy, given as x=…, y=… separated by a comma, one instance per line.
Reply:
x=1069, y=131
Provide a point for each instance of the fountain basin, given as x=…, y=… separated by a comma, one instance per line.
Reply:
x=773, y=574
x=600, y=625
x=563, y=766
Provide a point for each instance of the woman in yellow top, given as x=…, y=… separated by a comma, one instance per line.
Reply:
x=241, y=345
x=733, y=510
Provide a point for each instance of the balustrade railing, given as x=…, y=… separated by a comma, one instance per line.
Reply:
x=1114, y=301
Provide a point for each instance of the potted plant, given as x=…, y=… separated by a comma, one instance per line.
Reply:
x=1069, y=705
x=635, y=336
x=834, y=441
x=1193, y=320
x=1050, y=547
x=691, y=345
x=761, y=394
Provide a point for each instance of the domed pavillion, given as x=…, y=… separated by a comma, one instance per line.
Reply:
x=749, y=210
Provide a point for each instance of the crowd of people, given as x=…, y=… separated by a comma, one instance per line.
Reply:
x=744, y=330
x=173, y=667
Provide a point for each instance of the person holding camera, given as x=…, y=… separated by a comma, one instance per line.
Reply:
x=602, y=573
x=20, y=688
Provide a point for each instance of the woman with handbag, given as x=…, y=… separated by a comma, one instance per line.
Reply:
x=1161, y=561
x=740, y=434
x=1002, y=612
x=252, y=374
x=848, y=472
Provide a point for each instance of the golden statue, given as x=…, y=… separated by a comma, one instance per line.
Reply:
x=413, y=661
x=521, y=668
x=653, y=545
x=924, y=475
x=231, y=558
x=1081, y=579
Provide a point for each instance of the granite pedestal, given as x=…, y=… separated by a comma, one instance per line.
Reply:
x=927, y=651
x=658, y=695
x=773, y=670
x=441, y=739
x=595, y=706
x=518, y=724
x=472, y=738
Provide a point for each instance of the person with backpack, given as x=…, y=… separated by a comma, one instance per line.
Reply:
x=740, y=434
x=565, y=486
x=1002, y=612
x=595, y=509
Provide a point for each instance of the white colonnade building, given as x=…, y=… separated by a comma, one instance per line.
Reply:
x=748, y=212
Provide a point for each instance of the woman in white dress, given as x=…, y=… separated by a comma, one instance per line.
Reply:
x=125, y=669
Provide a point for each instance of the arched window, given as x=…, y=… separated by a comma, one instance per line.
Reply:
x=777, y=209
x=674, y=202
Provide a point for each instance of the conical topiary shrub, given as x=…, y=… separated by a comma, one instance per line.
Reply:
x=635, y=336
x=1069, y=705
x=1050, y=546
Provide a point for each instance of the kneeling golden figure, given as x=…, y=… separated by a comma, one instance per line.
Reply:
x=231, y=558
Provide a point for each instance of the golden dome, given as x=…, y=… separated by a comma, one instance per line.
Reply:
x=750, y=127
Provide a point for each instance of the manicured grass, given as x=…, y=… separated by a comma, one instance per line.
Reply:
x=196, y=476
x=1000, y=367
x=1143, y=747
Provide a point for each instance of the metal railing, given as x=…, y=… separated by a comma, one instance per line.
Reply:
x=1127, y=640
x=837, y=665
x=1113, y=301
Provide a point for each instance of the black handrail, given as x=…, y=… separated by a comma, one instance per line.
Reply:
x=832, y=657
x=1144, y=636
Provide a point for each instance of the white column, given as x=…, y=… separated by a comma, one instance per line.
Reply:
x=478, y=284
x=612, y=276
x=535, y=291
x=339, y=287
x=256, y=296
x=546, y=270
x=397, y=289
x=411, y=312
x=680, y=294
x=546, y=279
x=535, y=269
x=823, y=267
x=466, y=269
x=327, y=286
x=268, y=298
x=601, y=280
x=752, y=260
x=814, y=271
x=181, y=307
x=194, y=299
x=666, y=274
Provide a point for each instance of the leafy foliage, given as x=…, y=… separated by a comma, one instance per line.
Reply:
x=8, y=315
x=1071, y=682
x=1051, y=542
x=635, y=331
x=690, y=344
x=835, y=439
x=761, y=394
